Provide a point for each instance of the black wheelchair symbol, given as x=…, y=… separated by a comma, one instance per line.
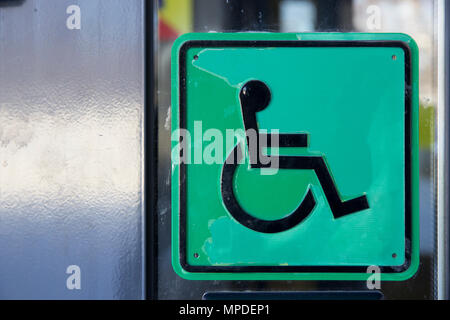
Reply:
x=255, y=96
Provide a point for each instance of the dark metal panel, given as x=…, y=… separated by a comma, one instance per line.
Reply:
x=151, y=145
x=447, y=148
x=71, y=115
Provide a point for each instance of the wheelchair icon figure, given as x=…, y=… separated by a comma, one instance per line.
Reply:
x=254, y=97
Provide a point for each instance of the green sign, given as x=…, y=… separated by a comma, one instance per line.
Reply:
x=295, y=156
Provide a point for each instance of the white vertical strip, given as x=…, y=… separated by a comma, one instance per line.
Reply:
x=441, y=174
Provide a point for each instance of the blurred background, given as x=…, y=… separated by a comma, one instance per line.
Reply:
x=418, y=18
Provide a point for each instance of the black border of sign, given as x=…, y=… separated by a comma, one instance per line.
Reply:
x=295, y=44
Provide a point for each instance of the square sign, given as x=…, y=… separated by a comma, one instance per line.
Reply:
x=295, y=156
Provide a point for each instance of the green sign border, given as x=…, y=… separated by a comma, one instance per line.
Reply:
x=404, y=272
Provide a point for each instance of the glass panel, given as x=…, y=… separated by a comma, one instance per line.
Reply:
x=414, y=17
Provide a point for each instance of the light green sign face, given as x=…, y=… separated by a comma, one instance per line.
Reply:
x=341, y=191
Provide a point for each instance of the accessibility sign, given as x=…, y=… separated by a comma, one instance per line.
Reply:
x=294, y=156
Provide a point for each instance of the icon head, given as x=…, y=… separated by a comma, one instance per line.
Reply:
x=255, y=96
